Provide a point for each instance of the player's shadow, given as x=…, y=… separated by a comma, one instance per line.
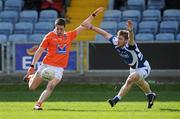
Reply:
x=80, y=110
x=170, y=109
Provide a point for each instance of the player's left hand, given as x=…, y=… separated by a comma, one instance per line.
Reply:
x=98, y=10
x=129, y=25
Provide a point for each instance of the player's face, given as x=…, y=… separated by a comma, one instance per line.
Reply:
x=59, y=30
x=121, y=41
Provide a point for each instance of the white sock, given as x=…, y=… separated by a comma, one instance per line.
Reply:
x=148, y=93
x=119, y=97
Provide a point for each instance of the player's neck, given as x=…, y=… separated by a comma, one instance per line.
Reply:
x=59, y=35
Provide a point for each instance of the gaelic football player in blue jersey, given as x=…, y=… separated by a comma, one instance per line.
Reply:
x=128, y=50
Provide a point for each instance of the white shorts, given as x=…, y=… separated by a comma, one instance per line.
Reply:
x=143, y=72
x=58, y=70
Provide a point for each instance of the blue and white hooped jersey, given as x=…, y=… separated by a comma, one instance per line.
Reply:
x=131, y=55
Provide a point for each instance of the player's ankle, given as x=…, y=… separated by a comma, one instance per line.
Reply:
x=116, y=98
x=38, y=104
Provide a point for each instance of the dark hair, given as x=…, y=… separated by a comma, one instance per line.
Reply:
x=60, y=21
x=123, y=33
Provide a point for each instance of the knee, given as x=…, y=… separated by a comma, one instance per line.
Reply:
x=129, y=82
x=132, y=79
x=32, y=88
x=50, y=87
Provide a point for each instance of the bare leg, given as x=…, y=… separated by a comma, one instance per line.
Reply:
x=49, y=89
x=35, y=81
x=144, y=86
x=133, y=78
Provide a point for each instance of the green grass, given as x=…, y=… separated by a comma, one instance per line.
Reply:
x=88, y=102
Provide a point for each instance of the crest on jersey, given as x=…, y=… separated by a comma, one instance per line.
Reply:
x=61, y=48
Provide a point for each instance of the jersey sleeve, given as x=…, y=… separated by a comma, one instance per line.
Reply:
x=114, y=40
x=72, y=34
x=44, y=43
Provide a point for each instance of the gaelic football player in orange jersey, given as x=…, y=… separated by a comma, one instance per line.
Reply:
x=57, y=43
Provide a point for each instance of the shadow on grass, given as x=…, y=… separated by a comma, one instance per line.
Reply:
x=170, y=110
x=80, y=110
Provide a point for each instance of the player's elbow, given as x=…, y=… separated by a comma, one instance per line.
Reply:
x=107, y=36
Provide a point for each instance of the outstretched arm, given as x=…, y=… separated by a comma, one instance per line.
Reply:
x=131, y=33
x=97, y=30
x=89, y=19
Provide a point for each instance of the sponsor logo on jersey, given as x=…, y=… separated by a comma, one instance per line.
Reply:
x=61, y=48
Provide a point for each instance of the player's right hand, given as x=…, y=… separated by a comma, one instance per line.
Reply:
x=129, y=25
x=31, y=70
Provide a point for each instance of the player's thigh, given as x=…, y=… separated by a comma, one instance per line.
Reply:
x=141, y=83
x=133, y=77
x=52, y=84
x=35, y=81
x=143, y=72
x=57, y=78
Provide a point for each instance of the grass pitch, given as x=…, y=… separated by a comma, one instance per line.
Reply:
x=88, y=102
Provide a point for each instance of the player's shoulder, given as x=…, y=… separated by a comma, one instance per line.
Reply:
x=114, y=40
x=131, y=47
x=50, y=35
x=113, y=37
x=70, y=32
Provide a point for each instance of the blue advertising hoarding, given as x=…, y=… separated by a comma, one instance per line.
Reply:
x=1, y=56
x=24, y=53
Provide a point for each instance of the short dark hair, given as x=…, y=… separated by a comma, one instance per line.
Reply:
x=123, y=33
x=60, y=21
